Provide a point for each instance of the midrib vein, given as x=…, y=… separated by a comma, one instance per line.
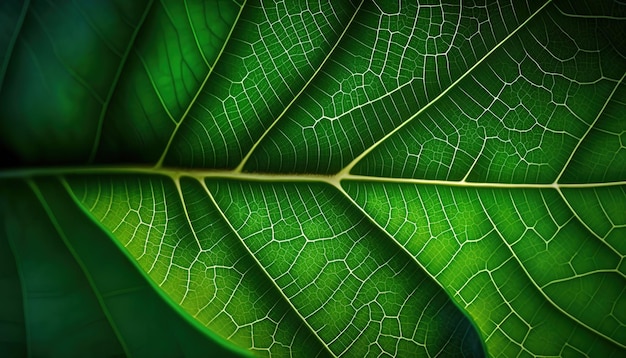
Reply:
x=334, y=180
x=454, y=84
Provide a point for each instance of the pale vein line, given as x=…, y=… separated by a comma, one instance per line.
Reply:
x=306, y=85
x=579, y=275
x=159, y=163
x=586, y=225
x=182, y=200
x=595, y=16
x=468, y=184
x=282, y=294
x=270, y=177
x=534, y=283
x=350, y=165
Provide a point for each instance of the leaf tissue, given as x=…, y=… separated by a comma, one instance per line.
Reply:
x=312, y=178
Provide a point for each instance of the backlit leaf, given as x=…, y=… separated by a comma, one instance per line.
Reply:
x=345, y=178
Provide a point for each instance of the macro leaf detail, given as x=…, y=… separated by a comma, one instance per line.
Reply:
x=329, y=178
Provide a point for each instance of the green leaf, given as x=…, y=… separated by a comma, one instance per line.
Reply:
x=313, y=179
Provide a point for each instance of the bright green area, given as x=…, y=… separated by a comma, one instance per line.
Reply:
x=535, y=281
x=275, y=260
x=353, y=288
x=198, y=261
x=488, y=215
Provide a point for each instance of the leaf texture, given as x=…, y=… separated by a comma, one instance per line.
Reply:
x=345, y=178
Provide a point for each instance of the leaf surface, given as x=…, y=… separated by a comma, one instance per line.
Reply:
x=323, y=179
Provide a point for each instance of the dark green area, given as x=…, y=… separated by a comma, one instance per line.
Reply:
x=81, y=295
